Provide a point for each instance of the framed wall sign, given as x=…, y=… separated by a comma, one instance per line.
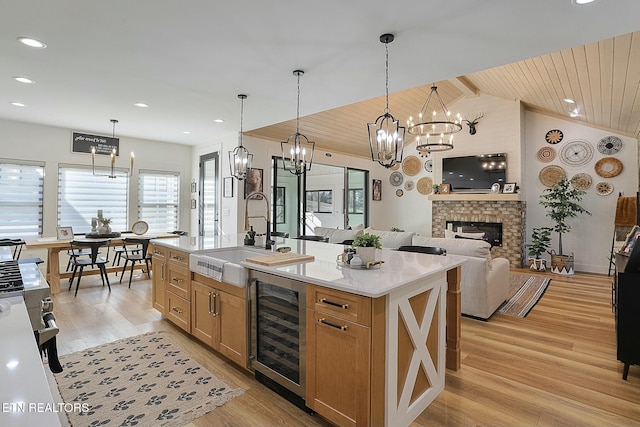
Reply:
x=194, y=187
x=227, y=187
x=509, y=187
x=377, y=190
x=193, y=203
x=444, y=188
x=83, y=143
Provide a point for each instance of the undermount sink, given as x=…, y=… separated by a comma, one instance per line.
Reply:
x=232, y=272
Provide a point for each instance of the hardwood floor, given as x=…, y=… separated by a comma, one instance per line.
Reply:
x=556, y=367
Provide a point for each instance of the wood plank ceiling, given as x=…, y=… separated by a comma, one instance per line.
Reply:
x=603, y=78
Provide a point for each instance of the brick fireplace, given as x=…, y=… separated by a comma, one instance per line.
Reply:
x=497, y=208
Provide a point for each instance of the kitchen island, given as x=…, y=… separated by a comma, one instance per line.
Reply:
x=377, y=340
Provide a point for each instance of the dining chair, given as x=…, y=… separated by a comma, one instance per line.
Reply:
x=137, y=255
x=93, y=246
x=119, y=250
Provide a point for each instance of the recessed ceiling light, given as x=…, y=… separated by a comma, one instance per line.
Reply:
x=579, y=2
x=569, y=101
x=18, y=104
x=141, y=104
x=32, y=42
x=186, y=132
x=219, y=121
x=23, y=79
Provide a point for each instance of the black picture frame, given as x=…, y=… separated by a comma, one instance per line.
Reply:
x=509, y=188
x=227, y=187
x=376, y=190
x=253, y=182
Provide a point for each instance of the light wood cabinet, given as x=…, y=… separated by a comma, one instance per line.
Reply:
x=177, y=284
x=218, y=317
x=341, y=334
x=158, y=278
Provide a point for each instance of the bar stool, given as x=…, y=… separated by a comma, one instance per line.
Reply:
x=138, y=255
x=93, y=247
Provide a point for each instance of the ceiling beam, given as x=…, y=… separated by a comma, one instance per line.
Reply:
x=463, y=84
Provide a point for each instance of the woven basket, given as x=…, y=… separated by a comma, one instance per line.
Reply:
x=561, y=264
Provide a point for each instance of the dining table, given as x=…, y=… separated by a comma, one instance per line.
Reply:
x=54, y=246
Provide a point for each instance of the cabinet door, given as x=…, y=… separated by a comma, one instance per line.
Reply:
x=158, y=284
x=202, y=320
x=232, y=321
x=338, y=369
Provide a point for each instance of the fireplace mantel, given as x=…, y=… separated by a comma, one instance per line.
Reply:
x=456, y=197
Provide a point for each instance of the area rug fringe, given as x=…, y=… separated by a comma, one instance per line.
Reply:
x=151, y=383
x=526, y=297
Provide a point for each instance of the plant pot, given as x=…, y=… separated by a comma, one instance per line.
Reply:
x=104, y=229
x=561, y=264
x=367, y=254
x=538, y=264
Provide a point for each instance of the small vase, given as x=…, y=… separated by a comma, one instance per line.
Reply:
x=367, y=254
x=104, y=229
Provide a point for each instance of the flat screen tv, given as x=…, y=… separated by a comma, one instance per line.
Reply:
x=474, y=173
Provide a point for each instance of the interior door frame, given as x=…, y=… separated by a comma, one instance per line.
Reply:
x=215, y=156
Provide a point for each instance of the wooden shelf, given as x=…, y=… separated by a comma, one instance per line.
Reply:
x=456, y=197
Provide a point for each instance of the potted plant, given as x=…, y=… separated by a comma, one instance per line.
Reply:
x=540, y=241
x=562, y=203
x=366, y=245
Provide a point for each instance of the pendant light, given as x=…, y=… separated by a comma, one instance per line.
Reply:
x=112, y=173
x=386, y=137
x=240, y=159
x=297, y=150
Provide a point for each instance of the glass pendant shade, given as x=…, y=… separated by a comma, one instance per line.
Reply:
x=297, y=150
x=240, y=159
x=386, y=140
x=386, y=136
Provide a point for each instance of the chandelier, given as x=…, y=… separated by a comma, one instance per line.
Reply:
x=114, y=153
x=240, y=159
x=435, y=127
x=386, y=137
x=297, y=150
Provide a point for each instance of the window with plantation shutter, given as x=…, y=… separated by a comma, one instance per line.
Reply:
x=81, y=195
x=21, y=189
x=158, y=198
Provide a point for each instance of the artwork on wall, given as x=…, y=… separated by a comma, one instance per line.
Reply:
x=253, y=182
x=377, y=190
x=280, y=205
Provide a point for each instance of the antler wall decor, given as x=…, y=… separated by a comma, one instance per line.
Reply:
x=472, y=123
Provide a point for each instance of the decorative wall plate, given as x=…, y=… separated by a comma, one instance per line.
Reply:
x=396, y=178
x=424, y=153
x=604, y=188
x=549, y=175
x=428, y=165
x=408, y=185
x=546, y=154
x=395, y=167
x=425, y=185
x=554, y=136
x=581, y=181
x=140, y=227
x=610, y=145
x=399, y=192
x=608, y=167
x=411, y=165
x=576, y=153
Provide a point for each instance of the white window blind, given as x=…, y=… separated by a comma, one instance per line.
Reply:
x=158, y=198
x=21, y=189
x=81, y=194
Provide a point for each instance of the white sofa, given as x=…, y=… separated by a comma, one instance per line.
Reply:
x=336, y=235
x=485, y=281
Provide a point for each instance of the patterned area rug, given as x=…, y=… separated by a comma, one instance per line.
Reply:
x=143, y=381
x=524, y=293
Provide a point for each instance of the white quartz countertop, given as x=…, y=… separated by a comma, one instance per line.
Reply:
x=25, y=395
x=399, y=268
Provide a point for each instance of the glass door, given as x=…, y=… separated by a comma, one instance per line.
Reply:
x=357, y=206
x=208, y=214
x=285, y=207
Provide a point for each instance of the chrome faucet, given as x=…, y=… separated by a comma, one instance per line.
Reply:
x=268, y=241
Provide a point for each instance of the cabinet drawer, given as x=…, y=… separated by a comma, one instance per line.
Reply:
x=159, y=252
x=179, y=257
x=350, y=307
x=178, y=310
x=179, y=281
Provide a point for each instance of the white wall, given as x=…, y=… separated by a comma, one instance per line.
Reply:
x=52, y=145
x=590, y=236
